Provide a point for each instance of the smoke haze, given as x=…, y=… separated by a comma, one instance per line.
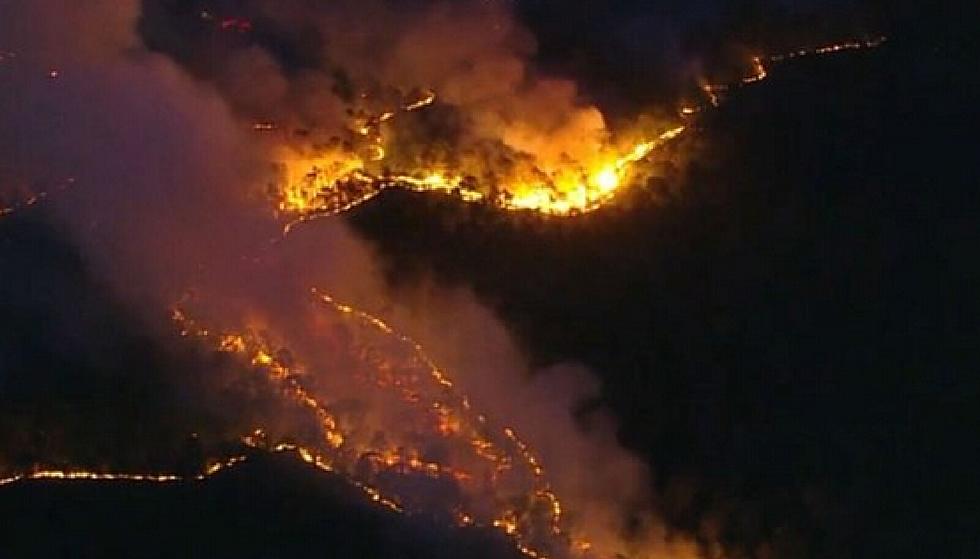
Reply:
x=172, y=120
x=169, y=197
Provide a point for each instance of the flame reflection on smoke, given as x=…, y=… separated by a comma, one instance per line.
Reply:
x=400, y=429
x=397, y=426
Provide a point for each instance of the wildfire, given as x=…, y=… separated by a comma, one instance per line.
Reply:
x=426, y=99
x=490, y=468
x=497, y=479
x=88, y=475
x=831, y=48
x=92, y=476
x=715, y=92
x=759, y=72
x=311, y=189
x=305, y=454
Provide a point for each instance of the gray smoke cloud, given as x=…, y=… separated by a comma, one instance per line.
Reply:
x=497, y=114
x=170, y=186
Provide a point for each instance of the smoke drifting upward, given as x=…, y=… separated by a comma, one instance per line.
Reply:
x=474, y=54
x=171, y=208
x=336, y=88
x=156, y=153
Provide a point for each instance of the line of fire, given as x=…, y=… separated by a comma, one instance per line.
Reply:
x=419, y=430
x=325, y=181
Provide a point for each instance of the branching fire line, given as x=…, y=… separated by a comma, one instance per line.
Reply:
x=313, y=190
x=499, y=479
x=483, y=474
x=33, y=199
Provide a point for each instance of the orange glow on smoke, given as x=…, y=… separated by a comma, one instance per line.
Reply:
x=331, y=185
x=503, y=483
x=492, y=468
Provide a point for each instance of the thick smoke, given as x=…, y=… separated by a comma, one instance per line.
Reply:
x=169, y=196
x=320, y=68
x=161, y=169
x=605, y=488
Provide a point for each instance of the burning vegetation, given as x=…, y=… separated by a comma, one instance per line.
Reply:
x=364, y=115
x=336, y=180
x=416, y=445
x=332, y=187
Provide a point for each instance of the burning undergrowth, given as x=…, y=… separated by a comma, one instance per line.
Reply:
x=430, y=96
x=173, y=217
x=190, y=155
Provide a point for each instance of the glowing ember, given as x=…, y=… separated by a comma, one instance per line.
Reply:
x=32, y=199
x=832, y=48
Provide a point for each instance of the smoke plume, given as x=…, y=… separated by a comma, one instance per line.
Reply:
x=170, y=203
